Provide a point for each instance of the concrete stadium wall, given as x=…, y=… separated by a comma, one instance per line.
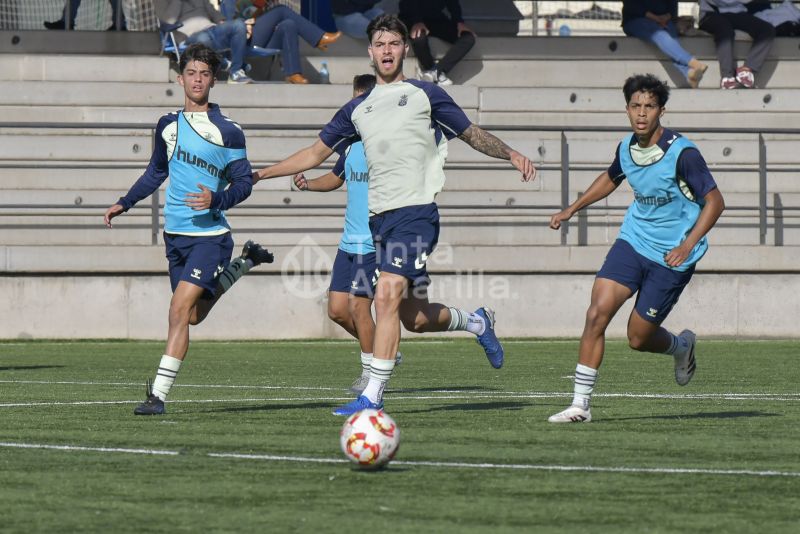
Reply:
x=273, y=306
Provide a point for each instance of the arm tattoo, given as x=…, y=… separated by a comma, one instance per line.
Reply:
x=483, y=141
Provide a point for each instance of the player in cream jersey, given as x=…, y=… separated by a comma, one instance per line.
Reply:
x=403, y=124
x=203, y=154
x=428, y=115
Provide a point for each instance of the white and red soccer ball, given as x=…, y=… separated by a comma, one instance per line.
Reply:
x=370, y=438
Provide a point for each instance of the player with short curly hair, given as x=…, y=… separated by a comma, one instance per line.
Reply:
x=675, y=204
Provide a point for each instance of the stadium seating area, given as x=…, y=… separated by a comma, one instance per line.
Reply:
x=78, y=131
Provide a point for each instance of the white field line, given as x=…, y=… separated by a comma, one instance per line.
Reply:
x=438, y=397
x=139, y=385
x=423, y=464
x=153, y=452
x=511, y=394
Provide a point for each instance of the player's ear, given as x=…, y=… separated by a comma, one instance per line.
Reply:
x=179, y=77
x=405, y=54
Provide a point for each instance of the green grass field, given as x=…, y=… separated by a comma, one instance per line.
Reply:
x=477, y=454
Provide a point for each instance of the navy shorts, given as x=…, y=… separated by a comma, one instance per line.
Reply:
x=356, y=274
x=198, y=260
x=404, y=238
x=659, y=287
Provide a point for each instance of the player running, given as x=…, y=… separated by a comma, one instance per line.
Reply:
x=355, y=271
x=404, y=125
x=676, y=203
x=202, y=152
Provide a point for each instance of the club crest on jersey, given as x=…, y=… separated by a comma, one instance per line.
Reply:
x=403, y=101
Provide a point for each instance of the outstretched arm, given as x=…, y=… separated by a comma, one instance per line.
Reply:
x=305, y=159
x=714, y=206
x=325, y=183
x=484, y=142
x=600, y=189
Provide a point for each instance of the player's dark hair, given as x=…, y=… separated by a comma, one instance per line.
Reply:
x=202, y=53
x=646, y=83
x=364, y=82
x=387, y=23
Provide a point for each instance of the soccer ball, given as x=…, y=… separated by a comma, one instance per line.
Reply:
x=370, y=438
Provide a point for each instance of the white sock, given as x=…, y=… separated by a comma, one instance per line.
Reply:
x=585, y=378
x=380, y=372
x=165, y=376
x=678, y=346
x=366, y=361
x=464, y=320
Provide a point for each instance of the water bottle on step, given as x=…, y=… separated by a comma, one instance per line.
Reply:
x=324, y=74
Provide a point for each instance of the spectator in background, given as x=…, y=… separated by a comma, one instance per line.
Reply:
x=652, y=22
x=426, y=18
x=721, y=18
x=353, y=16
x=278, y=26
x=202, y=23
x=61, y=24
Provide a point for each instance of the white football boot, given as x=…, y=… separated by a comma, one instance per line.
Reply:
x=573, y=414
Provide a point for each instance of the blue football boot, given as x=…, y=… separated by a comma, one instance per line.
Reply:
x=488, y=340
x=152, y=405
x=361, y=403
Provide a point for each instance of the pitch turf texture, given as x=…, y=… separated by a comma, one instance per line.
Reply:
x=249, y=443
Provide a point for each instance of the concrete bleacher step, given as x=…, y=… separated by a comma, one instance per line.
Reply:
x=574, y=105
x=494, y=62
x=589, y=148
x=80, y=67
x=555, y=259
x=119, y=176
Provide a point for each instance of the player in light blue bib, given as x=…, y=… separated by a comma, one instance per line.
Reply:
x=203, y=154
x=355, y=269
x=675, y=204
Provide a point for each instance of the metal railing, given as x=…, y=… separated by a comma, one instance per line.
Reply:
x=760, y=212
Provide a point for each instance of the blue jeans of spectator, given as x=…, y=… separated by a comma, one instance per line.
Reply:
x=666, y=39
x=355, y=24
x=231, y=34
x=280, y=28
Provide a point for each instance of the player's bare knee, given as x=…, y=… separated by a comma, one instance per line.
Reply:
x=636, y=341
x=596, y=318
x=337, y=316
x=416, y=323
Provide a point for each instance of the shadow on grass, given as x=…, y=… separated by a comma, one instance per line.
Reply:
x=283, y=405
x=29, y=367
x=701, y=415
x=474, y=407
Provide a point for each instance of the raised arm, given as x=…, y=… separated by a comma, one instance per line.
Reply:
x=602, y=186
x=300, y=161
x=484, y=142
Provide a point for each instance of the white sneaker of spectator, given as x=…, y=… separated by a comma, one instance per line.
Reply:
x=744, y=75
x=426, y=75
x=239, y=76
x=442, y=79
